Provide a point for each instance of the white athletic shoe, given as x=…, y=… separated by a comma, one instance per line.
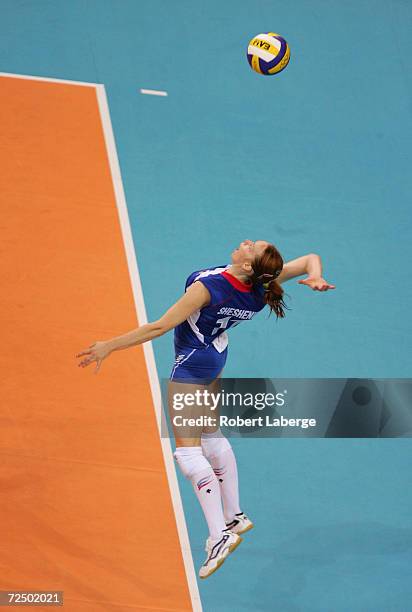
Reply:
x=218, y=551
x=240, y=524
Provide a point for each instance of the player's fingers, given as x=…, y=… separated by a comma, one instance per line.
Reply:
x=86, y=351
x=87, y=361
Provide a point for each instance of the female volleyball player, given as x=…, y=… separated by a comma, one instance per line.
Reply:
x=215, y=299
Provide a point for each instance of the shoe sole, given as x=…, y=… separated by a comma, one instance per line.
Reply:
x=232, y=547
x=219, y=563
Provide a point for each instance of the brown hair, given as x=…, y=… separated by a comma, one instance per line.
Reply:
x=266, y=268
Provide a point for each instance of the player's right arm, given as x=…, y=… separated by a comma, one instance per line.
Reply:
x=307, y=264
x=196, y=297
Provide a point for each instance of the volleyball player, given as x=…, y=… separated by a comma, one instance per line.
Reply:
x=215, y=299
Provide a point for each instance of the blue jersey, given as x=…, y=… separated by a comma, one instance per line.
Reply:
x=231, y=302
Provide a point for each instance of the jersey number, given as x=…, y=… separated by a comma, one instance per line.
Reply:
x=223, y=323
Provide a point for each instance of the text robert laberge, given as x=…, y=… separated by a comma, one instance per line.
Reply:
x=238, y=421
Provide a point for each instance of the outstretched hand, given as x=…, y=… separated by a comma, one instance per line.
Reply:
x=95, y=352
x=317, y=284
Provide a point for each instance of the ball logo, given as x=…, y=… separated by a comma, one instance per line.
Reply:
x=261, y=43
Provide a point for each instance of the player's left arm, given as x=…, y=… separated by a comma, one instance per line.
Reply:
x=308, y=264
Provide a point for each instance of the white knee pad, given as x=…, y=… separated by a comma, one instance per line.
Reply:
x=214, y=444
x=191, y=460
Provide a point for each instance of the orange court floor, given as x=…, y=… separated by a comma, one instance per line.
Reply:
x=86, y=505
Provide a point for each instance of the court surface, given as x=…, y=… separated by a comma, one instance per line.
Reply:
x=316, y=160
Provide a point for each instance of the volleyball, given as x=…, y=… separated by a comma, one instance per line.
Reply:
x=268, y=53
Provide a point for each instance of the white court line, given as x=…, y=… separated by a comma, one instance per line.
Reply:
x=142, y=318
x=37, y=78
x=148, y=348
x=154, y=92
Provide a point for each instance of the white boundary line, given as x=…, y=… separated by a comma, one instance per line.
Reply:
x=35, y=78
x=142, y=318
x=147, y=347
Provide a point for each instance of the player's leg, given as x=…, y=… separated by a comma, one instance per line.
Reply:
x=190, y=458
x=196, y=468
x=219, y=452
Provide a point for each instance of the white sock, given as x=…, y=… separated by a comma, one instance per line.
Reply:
x=220, y=454
x=196, y=468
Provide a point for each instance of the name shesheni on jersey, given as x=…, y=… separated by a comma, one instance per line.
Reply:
x=231, y=303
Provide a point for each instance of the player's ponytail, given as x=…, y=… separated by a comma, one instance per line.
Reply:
x=266, y=269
